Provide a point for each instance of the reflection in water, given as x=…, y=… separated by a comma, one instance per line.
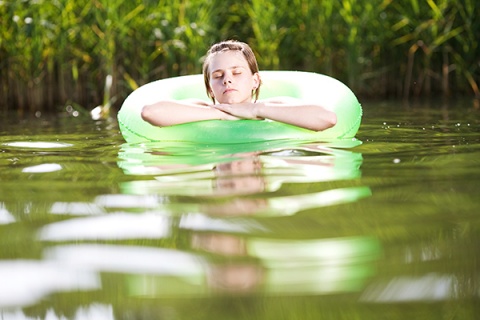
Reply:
x=126, y=201
x=203, y=222
x=35, y=145
x=127, y=259
x=26, y=281
x=5, y=216
x=430, y=287
x=76, y=208
x=222, y=197
x=240, y=176
x=45, y=167
x=92, y=311
x=213, y=200
x=316, y=266
x=272, y=266
x=111, y=226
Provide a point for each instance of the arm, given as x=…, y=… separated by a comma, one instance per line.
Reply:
x=291, y=111
x=168, y=113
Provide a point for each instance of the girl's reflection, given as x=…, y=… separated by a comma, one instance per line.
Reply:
x=239, y=177
x=235, y=184
x=237, y=274
x=235, y=278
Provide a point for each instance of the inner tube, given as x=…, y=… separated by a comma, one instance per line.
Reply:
x=308, y=86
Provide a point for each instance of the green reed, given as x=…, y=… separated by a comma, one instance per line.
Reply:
x=61, y=52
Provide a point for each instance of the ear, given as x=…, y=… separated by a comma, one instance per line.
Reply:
x=210, y=92
x=212, y=97
x=256, y=80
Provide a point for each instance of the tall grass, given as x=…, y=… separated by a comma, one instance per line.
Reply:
x=60, y=52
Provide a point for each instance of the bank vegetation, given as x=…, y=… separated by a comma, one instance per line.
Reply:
x=55, y=53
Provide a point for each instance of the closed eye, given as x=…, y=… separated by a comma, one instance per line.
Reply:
x=237, y=71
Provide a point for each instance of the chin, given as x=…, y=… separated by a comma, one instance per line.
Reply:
x=234, y=101
x=229, y=101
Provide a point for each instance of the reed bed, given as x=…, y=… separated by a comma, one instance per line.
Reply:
x=55, y=53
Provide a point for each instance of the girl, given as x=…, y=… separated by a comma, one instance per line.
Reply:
x=233, y=83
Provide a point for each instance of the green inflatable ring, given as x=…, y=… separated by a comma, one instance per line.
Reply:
x=308, y=86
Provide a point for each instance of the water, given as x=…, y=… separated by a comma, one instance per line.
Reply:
x=93, y=228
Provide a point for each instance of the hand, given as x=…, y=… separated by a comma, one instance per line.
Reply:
x=246, y=110
x=224, y=115
x=228, y=116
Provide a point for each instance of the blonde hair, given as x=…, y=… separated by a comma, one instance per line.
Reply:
x=234, y=46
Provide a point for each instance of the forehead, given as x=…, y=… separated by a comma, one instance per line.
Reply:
x=227, y=59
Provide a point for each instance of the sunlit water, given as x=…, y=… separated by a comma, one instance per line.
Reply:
x=384, y=227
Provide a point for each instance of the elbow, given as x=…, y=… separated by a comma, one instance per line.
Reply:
x=146, y=113
x=327, y=121
x=149, y=113
x=332, y=119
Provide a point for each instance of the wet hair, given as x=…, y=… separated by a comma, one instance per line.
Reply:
x=230, y=45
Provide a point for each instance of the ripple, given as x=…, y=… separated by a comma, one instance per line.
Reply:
x=45, y=167
x=37, y=144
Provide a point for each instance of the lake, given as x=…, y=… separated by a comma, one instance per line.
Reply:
x=386, y=226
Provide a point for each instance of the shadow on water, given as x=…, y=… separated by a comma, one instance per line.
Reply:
x=93, y=228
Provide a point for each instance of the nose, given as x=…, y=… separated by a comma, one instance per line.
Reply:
x=227, y=79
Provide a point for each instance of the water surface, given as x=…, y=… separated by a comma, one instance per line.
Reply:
x=385, y=226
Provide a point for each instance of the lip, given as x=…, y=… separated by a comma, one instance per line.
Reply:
x=229, y=90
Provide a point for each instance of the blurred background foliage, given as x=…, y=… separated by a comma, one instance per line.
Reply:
x=55, y=53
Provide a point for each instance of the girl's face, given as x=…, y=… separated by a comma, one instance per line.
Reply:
x=231, y=80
